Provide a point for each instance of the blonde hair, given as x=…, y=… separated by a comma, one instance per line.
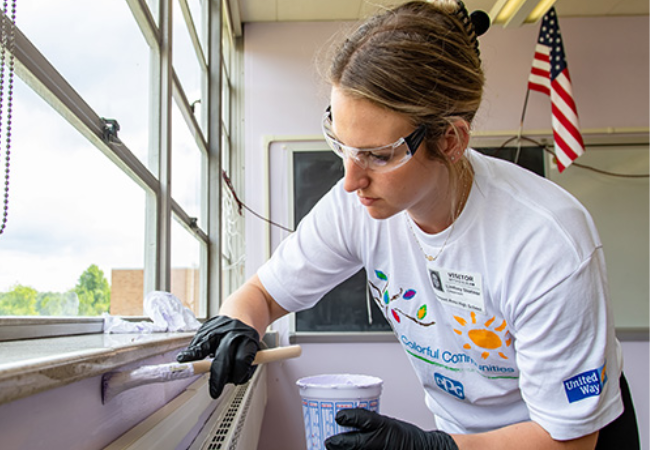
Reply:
x=419, y=59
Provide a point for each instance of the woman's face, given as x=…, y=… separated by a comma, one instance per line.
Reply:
x=419, y=186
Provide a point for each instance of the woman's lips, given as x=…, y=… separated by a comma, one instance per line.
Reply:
x=367, y=201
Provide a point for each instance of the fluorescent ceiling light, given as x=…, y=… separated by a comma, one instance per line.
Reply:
x=540, y=10
x=513, y=13
x=506, y=10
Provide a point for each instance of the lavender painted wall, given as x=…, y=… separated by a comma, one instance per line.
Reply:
x=608, y=64
x=284, y=95
x=73, y=417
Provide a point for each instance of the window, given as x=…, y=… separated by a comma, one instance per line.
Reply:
x=232, y=222
x=110, y=157
x=71, y=210
x=187, y=168
x=188, y=56
x=103, y=56
x=186, y=253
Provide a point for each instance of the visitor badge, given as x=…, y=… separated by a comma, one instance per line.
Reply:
x=458, y=289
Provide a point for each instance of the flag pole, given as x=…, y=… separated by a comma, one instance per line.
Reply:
x=521, y=126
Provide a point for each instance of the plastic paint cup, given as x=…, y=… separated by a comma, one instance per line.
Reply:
x=325, y=395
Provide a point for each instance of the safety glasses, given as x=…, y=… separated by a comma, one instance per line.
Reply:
x=378, y=159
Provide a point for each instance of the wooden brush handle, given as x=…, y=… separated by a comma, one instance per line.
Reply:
x=263, y=356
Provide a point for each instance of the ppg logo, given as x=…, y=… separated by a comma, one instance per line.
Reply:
x=450, y=386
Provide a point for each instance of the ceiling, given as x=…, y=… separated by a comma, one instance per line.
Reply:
x=323, y=10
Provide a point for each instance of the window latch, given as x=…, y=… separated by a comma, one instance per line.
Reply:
x=110, y=127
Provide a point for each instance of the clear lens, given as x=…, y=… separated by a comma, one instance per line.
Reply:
x=379, y=159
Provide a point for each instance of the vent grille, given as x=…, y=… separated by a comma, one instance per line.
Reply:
x=223, y=437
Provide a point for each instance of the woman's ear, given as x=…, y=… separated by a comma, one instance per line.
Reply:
x=455, y=140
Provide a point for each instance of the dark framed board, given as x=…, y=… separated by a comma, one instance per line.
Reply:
x=348, y=308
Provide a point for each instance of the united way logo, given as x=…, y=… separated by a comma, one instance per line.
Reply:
x=450, y=386
x=586, y=384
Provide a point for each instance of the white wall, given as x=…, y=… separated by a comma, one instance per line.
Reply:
x=284, y=96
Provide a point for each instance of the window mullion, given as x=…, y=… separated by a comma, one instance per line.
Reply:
x=214, y=158
x=160, y=207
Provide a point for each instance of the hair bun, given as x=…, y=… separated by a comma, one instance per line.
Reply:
x=481, y=22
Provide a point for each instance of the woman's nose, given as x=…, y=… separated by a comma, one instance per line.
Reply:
x=355, y=177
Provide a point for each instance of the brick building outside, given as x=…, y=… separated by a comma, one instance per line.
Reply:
x=127, y=290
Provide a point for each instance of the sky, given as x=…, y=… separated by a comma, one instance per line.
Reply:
x=69, y=206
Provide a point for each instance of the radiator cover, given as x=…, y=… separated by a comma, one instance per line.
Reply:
x=236, y=425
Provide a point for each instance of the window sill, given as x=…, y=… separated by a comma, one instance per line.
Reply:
x=14, y=328
x=31, y=366
x=31, y=327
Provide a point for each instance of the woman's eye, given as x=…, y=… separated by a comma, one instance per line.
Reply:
x=380, y=157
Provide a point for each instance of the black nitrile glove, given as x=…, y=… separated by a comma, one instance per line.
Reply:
x=377, y=432
x=233, y=345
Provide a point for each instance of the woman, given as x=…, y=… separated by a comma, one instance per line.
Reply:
x=492, y=278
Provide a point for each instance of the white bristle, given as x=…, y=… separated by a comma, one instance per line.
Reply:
x=115, y=382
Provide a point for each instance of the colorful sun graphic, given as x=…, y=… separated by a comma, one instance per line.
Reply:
x=486, y=338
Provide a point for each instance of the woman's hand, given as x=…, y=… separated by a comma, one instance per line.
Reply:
x=233, y=345
x=377, y=432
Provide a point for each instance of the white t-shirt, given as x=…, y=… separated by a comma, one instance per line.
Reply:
x=510, y=323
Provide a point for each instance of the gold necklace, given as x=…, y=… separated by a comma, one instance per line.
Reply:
x=430, y=258
x=427, y=256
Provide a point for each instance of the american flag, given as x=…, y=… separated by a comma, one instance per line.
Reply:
x=550, y=75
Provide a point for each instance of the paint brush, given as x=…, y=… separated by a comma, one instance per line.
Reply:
x=114, y=383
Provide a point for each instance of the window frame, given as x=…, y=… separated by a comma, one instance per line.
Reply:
x=42, y=77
